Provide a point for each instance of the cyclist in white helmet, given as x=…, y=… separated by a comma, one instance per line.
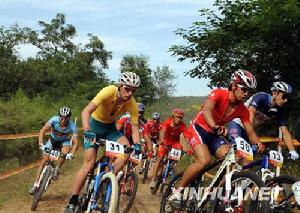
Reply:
x=265, y=107
x=98, y=120
x=62, y=128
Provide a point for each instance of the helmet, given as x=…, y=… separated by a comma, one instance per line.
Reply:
x=244, y=77
x=130, y=79
x=281, y=86
x=178, y=112
x=156, y=116
x=141, y=107
x=65, y=111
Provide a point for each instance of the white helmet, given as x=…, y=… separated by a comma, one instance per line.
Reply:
x=281, y=86
x=65, y=111
x=130, y=79
x=244, y=77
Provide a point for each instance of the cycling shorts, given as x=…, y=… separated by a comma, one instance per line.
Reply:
x=103, y=130
x=197, y=135
x=52, y=144
x=162, y=149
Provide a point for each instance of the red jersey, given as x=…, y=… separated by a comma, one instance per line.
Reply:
x=221, y=99
x=152, y=129
x=172, y=134
x=126, y=126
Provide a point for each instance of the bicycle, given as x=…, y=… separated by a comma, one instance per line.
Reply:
x=128, y=184
x=236, y=182
x=101, y=187
x=282, y=194
x=148, y=164
x=171, y=162
x=46, y=175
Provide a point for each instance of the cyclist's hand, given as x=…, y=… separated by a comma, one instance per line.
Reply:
x=261, y=147
x=89, y=136
x=69, y=156
x=190, y=152
x=150, y=154
x=137, y=149
x=42, y=147
x=293, y=155
x=220, y=130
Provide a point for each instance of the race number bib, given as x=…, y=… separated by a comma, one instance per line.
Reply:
x=275, y=158
x=244, y=149
x=54, y=155
x=175, y=154
x=136, y=159
x=114, y=149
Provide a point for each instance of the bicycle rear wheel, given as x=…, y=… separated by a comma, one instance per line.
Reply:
x=283, y=200
x=127, y=192
x=43, y=183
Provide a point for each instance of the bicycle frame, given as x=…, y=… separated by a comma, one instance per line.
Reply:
x=171, y=164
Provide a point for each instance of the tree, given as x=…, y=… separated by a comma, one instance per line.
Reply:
x=139, y=64
x=262, y=36
x=163, y=78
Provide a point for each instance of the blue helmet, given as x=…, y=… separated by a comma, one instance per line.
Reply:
x=156, y=116
x=141, y=107
x=282, y=86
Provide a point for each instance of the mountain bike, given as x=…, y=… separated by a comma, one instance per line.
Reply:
x=203, y=195
x=148, y=164
x=282, y=196
x=170, y=161
x=46, y=175
x=101, y=187
x=128, y=184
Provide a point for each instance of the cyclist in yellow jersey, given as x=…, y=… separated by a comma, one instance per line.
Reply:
x=98, y=120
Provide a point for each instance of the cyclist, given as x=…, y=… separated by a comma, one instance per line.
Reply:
x=151, y=133
x=205, y=131
x=264, y=107
x=170, y=138
x=124, y=125
x=98, y=120
x=62, y=128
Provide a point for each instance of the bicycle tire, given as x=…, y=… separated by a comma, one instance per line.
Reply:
x=263, y=206
x=158, y=182
x=37, y=196
x=284, y=205
x=113, y=201
x=132, y=193
x=146, y=169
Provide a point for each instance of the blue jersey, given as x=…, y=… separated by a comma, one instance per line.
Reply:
x=265, y=112
x=60, y=134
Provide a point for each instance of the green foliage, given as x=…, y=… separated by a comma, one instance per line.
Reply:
x=164, y=81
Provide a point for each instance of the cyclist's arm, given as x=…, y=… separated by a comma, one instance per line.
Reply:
x=207, y=109
x=287, y=137
x=86, y=115
x=253, y=138
x=162, y=134
x=75, y=143
x=119, y=125
x=42, y=133
x=149, y=142
x=252, y=112
x=135, y=134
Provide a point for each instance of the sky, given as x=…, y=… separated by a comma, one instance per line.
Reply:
x=125, y=26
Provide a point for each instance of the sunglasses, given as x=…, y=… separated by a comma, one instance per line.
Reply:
x=129, y=89
x=243, y=88
x=175, y=116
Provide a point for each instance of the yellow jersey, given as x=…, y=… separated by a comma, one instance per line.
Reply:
x=108, y=109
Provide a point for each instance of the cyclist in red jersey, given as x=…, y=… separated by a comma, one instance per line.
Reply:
x=172, y=128
x=207, y=128
x=151, y=132
x=124, y=125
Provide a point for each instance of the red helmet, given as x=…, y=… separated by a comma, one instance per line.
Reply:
x=244, y=78
x=178, y=112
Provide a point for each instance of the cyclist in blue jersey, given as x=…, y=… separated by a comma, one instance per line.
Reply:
x=264, y=107
x=62, y=131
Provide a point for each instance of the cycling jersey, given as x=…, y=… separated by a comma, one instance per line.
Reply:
x=59, y=133
x=108, y=109
x=124, y=121
x=172, y=133
x=262, y=102
x=152, y=129
x=221, y=99
x=142, y=123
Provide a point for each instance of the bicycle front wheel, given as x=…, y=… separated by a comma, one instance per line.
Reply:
x=146, y=169
x=283, y=199
x=43, y=183
x=245, y=195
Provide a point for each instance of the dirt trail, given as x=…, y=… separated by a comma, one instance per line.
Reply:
x=55, y=199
